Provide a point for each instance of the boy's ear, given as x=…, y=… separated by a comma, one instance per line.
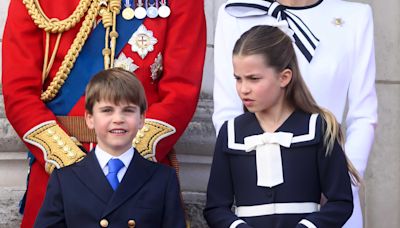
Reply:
x=142, y=119
x=89, y=120
x=285, y=77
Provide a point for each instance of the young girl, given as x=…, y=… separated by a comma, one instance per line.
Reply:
x=276, y=159
x=340, y=75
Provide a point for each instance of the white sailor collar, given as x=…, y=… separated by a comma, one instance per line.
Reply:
x=249, y=8
x=306, y=129
x=303, y=37
x=241, y=8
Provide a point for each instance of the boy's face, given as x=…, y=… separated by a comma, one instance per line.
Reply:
x=115, y=125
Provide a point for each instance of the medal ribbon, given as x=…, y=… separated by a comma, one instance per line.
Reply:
x=128, y=4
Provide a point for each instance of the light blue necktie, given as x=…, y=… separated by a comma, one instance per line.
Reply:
x=114, y=165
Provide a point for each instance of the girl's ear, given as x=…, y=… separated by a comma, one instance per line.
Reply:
x=285, y=77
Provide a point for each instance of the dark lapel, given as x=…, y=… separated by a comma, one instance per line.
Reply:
x=138, y=173
x=92, y=176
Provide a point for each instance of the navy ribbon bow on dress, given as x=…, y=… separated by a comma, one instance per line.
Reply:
x=305, y=40
x=114, y=165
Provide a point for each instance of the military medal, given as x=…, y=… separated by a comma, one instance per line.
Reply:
x=152, y=11
x=140, y=11
x=128, y=13
x=142, y=41
x=164, y=11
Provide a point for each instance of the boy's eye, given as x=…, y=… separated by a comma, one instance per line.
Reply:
x=106, y=110
x=130, y=110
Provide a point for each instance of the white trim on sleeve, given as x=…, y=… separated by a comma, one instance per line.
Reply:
x=307, y=223
x=236, y=223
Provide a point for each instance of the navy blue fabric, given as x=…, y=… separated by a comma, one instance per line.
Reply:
x=307, y=171
x=80, y=196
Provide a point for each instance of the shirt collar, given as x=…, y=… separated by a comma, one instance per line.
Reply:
x=103, y=157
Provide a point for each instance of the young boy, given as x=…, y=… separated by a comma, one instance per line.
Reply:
x=113, y=186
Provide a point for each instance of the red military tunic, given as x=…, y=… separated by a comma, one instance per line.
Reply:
x=172, y=97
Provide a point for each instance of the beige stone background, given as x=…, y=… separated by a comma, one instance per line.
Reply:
x=382, y=178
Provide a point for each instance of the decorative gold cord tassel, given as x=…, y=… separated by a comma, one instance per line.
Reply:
x=115, y=6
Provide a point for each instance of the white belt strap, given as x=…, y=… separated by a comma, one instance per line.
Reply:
x=277, y=208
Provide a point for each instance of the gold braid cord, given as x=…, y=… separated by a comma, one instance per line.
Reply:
x=43, y=22
x=61, y=26
x=115, y=7
x=109, y=13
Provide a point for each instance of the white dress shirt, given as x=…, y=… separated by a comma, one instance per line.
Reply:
x=103, y=157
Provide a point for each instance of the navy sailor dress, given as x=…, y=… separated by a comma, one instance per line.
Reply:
x=307, y=172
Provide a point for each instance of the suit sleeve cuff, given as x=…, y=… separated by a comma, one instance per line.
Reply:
x=58, y=148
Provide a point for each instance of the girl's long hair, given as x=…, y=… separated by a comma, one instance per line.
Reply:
x=277, y=49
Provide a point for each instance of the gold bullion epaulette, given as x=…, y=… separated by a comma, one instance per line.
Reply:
x=58, y=148
x=147, y=138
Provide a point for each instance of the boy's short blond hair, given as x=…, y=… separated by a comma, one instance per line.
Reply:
x=115, y=85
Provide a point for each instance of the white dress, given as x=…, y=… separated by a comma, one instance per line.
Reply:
x=341, y=75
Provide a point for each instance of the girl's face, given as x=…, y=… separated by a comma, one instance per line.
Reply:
x=260, y=87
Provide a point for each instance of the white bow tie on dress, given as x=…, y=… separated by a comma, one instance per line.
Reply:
x=268, y=156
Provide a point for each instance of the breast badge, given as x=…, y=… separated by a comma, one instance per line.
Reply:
x=156, y=68
x=125, y=63
x=142, y=41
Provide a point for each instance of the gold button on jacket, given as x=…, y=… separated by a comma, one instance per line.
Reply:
x=131, y=223
x=104, y=223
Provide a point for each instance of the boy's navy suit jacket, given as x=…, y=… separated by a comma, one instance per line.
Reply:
x=80, y=196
